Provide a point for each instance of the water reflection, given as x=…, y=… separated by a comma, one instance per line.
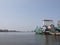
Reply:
x=48, y=39
x=28, y=39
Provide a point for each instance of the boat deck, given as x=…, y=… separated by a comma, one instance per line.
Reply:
x=52, y=33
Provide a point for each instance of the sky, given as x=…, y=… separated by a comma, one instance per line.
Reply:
x=25, y=15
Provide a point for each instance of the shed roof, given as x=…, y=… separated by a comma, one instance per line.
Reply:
x=47, y=20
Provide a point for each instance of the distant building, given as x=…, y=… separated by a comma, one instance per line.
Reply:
x=48, y=22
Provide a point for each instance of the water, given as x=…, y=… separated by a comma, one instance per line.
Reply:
x=10, y=38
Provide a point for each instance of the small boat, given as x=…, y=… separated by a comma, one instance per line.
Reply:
x=54, y=33
x=51, y=33
x=38, y=30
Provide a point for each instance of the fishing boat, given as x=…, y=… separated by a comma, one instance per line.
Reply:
x=48, y=28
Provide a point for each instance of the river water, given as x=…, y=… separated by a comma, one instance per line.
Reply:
x=17, y=38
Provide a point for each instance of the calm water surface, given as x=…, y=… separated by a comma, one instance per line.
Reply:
x=10, y=38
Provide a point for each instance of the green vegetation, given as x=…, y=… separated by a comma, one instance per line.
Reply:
x=6, y=30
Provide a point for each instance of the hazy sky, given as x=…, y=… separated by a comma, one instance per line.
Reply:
x=27, y=14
